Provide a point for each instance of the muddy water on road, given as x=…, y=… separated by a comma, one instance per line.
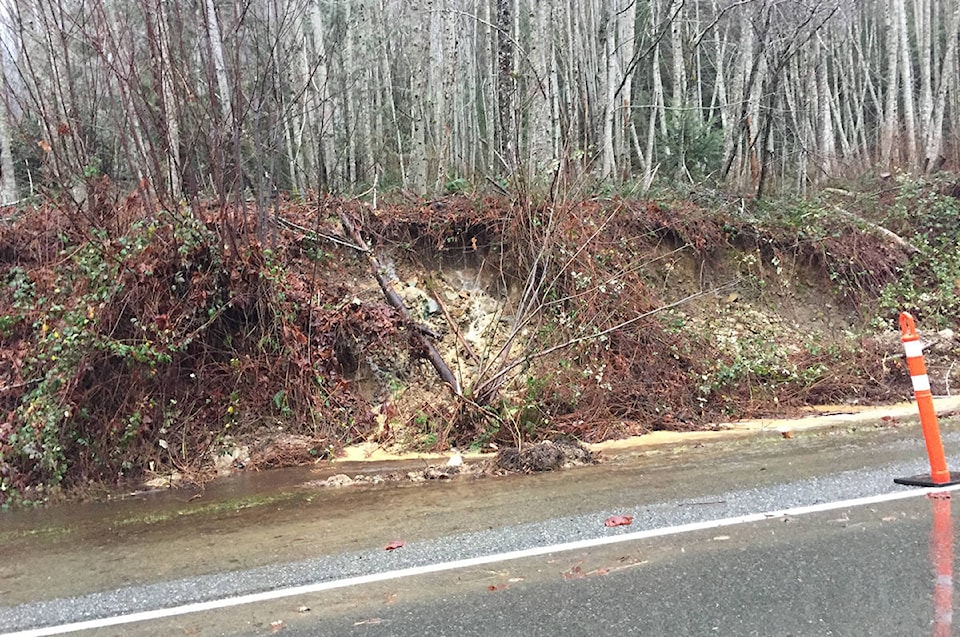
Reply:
x=254, y=520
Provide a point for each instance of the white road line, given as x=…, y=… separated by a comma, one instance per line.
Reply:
x=317, y=587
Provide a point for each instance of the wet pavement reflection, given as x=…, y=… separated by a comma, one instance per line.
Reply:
x=941, y=554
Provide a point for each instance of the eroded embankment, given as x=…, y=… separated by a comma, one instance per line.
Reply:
x=188, y=344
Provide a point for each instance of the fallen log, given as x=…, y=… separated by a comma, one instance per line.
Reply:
x=879, y=230
x=443, y=370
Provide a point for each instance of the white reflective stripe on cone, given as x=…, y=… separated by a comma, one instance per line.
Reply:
x=913, y=348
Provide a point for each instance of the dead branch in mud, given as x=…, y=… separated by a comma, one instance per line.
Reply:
x=532, y=294
x=376, y=269
x=535, y=289
x=531, y=304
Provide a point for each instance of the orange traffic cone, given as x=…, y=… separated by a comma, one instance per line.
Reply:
x=939, y=476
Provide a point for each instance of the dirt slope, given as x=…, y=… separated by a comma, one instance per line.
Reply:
x=203, y=343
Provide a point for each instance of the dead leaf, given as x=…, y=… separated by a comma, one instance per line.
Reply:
x=44, y=146
x=786, y=434
x=619, y=520
x=396, y=544
x=498, y=587
x=576, y=572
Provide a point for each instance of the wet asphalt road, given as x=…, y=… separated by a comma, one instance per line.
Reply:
x=865, y=571
x=862, y=571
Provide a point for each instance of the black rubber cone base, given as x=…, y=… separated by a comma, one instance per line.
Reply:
x=926, y=481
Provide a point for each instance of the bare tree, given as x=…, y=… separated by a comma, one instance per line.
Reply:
x=8, y=180
x=933, y=145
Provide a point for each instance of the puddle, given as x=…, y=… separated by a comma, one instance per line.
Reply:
x=240, y=523
x=254, y=520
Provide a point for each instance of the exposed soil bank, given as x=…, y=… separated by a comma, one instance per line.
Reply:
x=183, y=346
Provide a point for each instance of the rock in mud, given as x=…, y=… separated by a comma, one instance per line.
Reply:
x=543, y=456
x=439, y=473
x=339, y=480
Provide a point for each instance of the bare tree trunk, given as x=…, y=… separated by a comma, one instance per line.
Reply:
x=389, y=88
x=626, y=30
x=933, y=158
x=612, y=81
x=8, y=181
x=219, y=65
x=800, y=119
x=922, y=12
x=740, y=100
x=889, y=136
x=420, y=99
x=443, y=44
x=657, y=113
x=324, y=93
x=906, y=70
x=678, y=100
x=540, y=123
x=727, y=110
x=347, y=89
x=824, y=103
x=120, y=61
x=506, y=86
x=427, y=91
x=48, y=92
x=171, y=116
